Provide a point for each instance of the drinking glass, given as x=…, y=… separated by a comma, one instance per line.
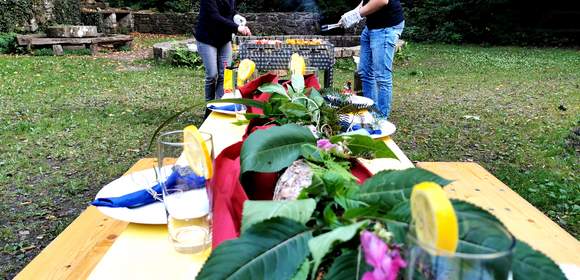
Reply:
x=186, y=192
x=469, y=261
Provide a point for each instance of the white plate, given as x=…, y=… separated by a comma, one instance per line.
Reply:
x=149, y=214
x=359, y=102
x=387, y=129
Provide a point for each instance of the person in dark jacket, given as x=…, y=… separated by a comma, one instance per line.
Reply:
x=213, y=34
x=384, y=25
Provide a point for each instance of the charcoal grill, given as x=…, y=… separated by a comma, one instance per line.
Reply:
x=277, y=57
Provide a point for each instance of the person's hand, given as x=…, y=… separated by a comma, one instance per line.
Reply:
x=240, y=20
x=351, y=18
x=244, y=30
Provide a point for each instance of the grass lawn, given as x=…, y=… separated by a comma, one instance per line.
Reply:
x=72, y=124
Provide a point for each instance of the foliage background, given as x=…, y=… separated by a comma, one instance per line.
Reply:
x=16, y=15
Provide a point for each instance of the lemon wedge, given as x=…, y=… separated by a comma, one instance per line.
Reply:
x=297, y=64
x=245, y=70
x=434, y=217
x=228, y=80
x=196, y=152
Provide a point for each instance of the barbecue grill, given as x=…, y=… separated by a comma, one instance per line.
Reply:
x=277, y=56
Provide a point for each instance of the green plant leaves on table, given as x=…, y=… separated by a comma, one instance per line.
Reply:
x=294, y=110
x=387, y=188
x=322, y=244
x=365, y=146
x=273, y=88
x=302, y=273
x=242, y=101
x=348, y=266
x=273, y=149
x=277, y=246
x=258, y=211
x=528, y=263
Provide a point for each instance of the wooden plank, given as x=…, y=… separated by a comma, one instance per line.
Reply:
x=38, y=41
x=77, y=250
x=476, y=185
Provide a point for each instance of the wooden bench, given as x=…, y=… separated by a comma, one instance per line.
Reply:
x=93, y=43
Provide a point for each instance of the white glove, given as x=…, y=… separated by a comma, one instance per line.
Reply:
x=351, y=18
x=240, y=20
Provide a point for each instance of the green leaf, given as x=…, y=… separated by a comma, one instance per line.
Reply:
x=297, y=84
x=274, y=247
x=364, y=146
x=258, y=211
x=273, y=88
x=528, y=263
x=348, y=266
x=243, y=101
x=322, y=244
x=294, y=110
x=360, y=212
x=302, y=273
x=330, y=217
x=316, y=97
x=273, y=149
x=250, y=116
x=311, y=153
x=387, y=188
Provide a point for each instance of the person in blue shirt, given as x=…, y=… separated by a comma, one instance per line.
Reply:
x=384, y=25
x=217, y=22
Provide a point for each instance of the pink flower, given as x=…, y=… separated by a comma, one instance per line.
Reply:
x=386, y=262
x=325, y=145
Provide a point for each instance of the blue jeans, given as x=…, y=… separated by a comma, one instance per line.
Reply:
x=377, y=50
x=214, y=59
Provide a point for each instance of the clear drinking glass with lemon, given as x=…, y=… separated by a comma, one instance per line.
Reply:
x=438, y=242
x=185, y=167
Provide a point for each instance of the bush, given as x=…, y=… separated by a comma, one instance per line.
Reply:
x=178, y=6
x=184, y=57
x=8, y=43
x=490, y=21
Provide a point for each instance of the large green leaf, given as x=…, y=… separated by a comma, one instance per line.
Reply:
x=302, y=273
x=365, y=146
x=387, y=188
x=294, y=110
x=322, y=244
x=348, y=266
x=274, y=247
x=273, y=149
x=243, y=101
x=273, y=88
x=258, y=211
x=528, y=263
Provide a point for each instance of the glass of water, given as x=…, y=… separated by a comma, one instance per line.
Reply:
x=490, y=261
x=186, y=192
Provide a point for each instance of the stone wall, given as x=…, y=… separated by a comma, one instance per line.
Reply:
x=260, y=23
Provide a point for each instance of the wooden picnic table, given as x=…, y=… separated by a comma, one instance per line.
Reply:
x=95, y=246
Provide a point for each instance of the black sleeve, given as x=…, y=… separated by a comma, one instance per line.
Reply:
x=215, y=15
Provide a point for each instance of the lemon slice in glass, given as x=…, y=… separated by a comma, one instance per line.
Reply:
x=245, y=71
x=196, y=152
x=297, y=64
x=434, y=217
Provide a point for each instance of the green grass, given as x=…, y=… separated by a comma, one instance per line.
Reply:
x=69, y=126
x=72, y=124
